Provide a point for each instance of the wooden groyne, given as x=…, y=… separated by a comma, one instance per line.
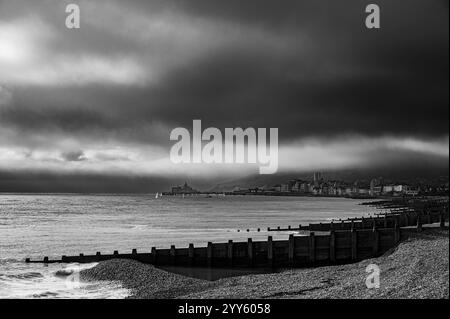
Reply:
x=401, y=216
x=385, y=221
x=335, y=247
x=325, y=244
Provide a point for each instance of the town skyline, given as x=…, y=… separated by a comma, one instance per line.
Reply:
x=319, y=185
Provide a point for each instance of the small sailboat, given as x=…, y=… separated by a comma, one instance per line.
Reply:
x=157, y=195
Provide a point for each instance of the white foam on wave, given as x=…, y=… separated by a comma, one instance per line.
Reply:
x=139, y=227
x=57, y=282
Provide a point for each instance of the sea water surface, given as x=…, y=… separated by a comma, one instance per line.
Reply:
x=37, y=225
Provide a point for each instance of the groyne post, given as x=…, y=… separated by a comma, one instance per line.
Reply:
x=172, y=255
x=291, y=250
x=419, y=223
x=354, y=244
x=230, y=253
x=312, y=247
x=270, y=251
x=250, y=251
x=332, y=246
x=442, y=220
x=376, y=238
x=154, y=256
x=191, y=254
x=396, y=231
x=209, y=254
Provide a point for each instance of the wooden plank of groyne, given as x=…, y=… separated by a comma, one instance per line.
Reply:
x=386, y=239
x=364, y=243
x=301, y=247
x=281, y=252
x=322, y=248
x=200, y=255
x=164, y=257
x=343, y=245
x=260, y=253
x=364, y=238
x=240, y=251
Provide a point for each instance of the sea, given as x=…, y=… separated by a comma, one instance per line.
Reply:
x=38, y=225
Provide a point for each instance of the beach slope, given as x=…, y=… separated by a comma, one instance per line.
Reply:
x=417, y=268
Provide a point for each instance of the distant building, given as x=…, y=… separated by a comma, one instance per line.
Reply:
x=185, y=189
x=318, y=178
x=412, y=192
x=400, y=188
x=388, y=189
x=277, y=188
x=376, y=187
x=285, y=188
x=363, y=191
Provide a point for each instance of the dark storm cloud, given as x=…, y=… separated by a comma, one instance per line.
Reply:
x=101, y=101
x=73, y=156
x=328, y=75
x=389, y=81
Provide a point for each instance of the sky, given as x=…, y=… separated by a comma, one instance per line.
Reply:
x=96, y=105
